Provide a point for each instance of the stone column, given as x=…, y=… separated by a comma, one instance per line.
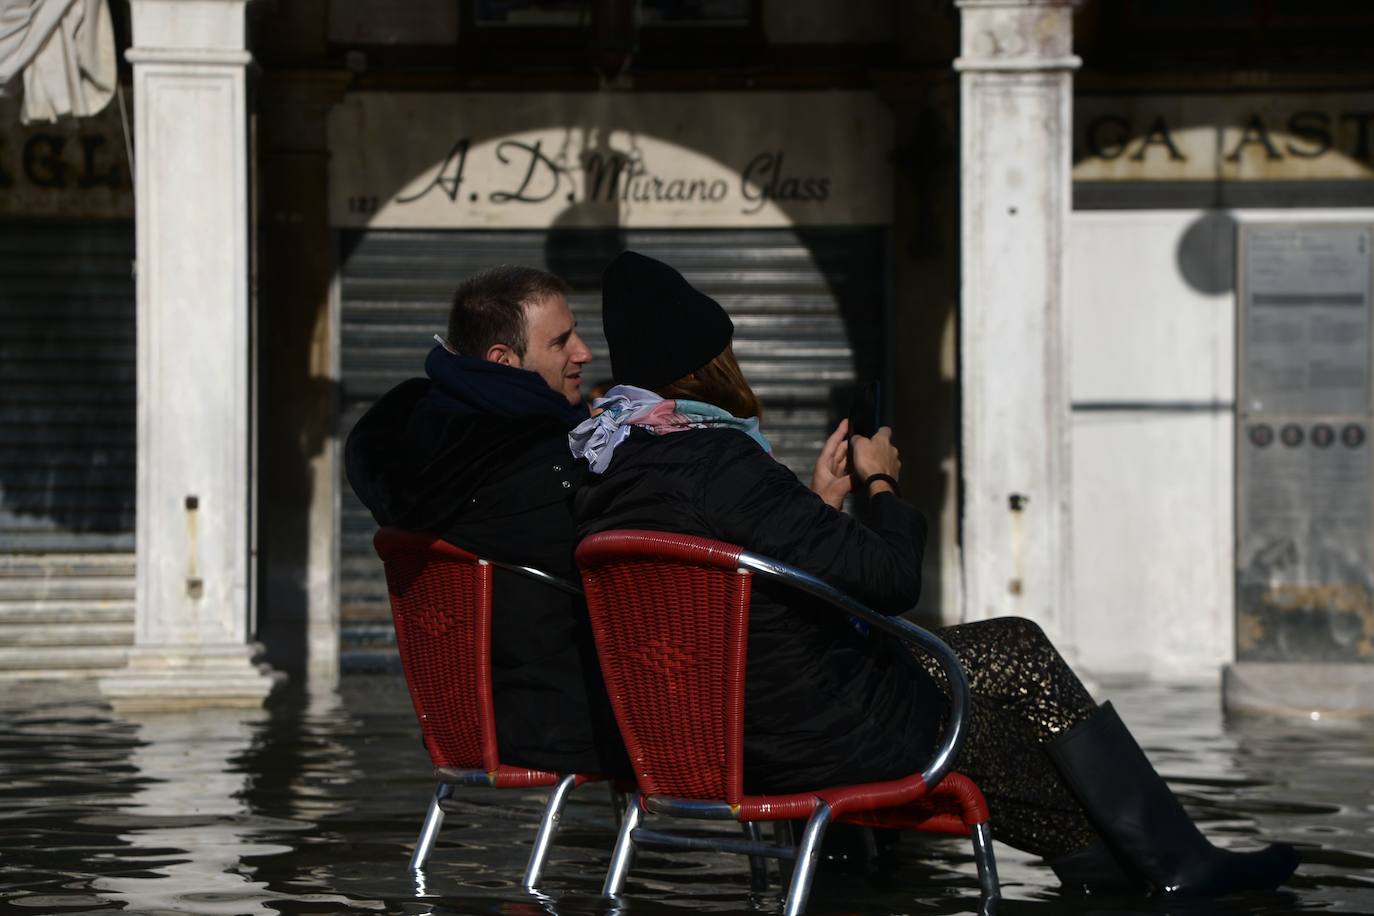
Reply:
x=195, y=411
x=1016, y=85
x=299, y=453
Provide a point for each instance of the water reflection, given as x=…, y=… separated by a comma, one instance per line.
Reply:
x=60, y=759
x=312, y=806
x=187, y=819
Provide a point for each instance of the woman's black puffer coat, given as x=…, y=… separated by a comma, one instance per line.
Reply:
x=824, y=705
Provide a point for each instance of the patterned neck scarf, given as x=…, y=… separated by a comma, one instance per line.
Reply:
x=625, y=406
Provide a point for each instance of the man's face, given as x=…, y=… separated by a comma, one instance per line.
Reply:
x=553, y=348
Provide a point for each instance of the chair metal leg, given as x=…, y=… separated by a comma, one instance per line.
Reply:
x=870, y=845
x=617, y=803
x=624, y=849
x=783, y=835
x=758, y=865
x=548, y=826
x=434, y=819
x=987, y=863
x=807, y=853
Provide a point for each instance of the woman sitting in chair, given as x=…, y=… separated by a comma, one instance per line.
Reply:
x=678, y=448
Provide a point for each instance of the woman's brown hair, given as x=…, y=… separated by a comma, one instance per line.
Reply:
x=720, y=382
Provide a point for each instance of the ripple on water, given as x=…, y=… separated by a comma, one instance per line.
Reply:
x=312, y=806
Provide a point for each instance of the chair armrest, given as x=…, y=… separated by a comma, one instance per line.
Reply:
x=538, y=575
x=390, y=541
x=904, y=630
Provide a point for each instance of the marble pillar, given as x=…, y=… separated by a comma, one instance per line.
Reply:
x=1016, y=85
x=195, y=408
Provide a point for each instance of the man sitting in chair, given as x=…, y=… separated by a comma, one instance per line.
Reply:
x=477, y=453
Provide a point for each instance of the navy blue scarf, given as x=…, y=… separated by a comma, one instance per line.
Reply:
x=475, y=387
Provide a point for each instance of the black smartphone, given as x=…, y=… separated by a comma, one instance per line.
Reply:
x=866, y=410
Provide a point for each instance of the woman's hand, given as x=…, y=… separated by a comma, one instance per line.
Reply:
x=875, y=456
x=830, y=481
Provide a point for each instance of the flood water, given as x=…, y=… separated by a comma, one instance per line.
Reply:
x=312, y=806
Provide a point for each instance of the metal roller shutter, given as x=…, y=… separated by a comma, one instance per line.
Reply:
x=67, y=446
x=808, y=307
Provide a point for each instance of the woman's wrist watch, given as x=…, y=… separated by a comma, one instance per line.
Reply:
x=885, y=478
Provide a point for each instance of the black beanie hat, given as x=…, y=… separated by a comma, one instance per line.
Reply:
x=659, y=327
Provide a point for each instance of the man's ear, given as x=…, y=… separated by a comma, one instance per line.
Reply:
x=500, y=353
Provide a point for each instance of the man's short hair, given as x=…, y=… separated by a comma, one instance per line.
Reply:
x=489, y=308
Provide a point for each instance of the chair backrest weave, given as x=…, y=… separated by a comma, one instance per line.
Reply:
x=441, y=608
x=671, y=617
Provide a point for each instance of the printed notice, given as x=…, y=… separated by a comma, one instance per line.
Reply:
x=1307, y=321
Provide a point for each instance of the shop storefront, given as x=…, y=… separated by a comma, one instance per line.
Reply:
x=67, y=396
x=1219, y=295
x=784, y=222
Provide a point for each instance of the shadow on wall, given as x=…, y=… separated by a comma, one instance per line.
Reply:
x=579, y=254
x=587, y=235
x=67, y=385
x=1206, y=254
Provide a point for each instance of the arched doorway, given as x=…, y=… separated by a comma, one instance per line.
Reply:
x=807, y=289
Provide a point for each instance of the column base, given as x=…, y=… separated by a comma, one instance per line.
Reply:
x=172, y=677
x=1309, y=690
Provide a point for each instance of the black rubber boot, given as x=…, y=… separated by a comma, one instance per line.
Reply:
x=1144, y=824
x=1094, y=870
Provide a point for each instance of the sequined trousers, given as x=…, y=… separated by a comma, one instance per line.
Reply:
x=1023, y=695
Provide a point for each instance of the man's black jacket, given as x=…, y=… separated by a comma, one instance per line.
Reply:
x=500, y=487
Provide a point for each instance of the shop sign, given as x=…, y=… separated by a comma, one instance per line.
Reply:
x=74, y=168
x=591, y=159
x=1248, y=137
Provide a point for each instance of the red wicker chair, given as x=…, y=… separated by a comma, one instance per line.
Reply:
x=671, y=617
x=441, y=606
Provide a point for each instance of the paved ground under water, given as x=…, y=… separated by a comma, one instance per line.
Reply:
x=312, y=805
